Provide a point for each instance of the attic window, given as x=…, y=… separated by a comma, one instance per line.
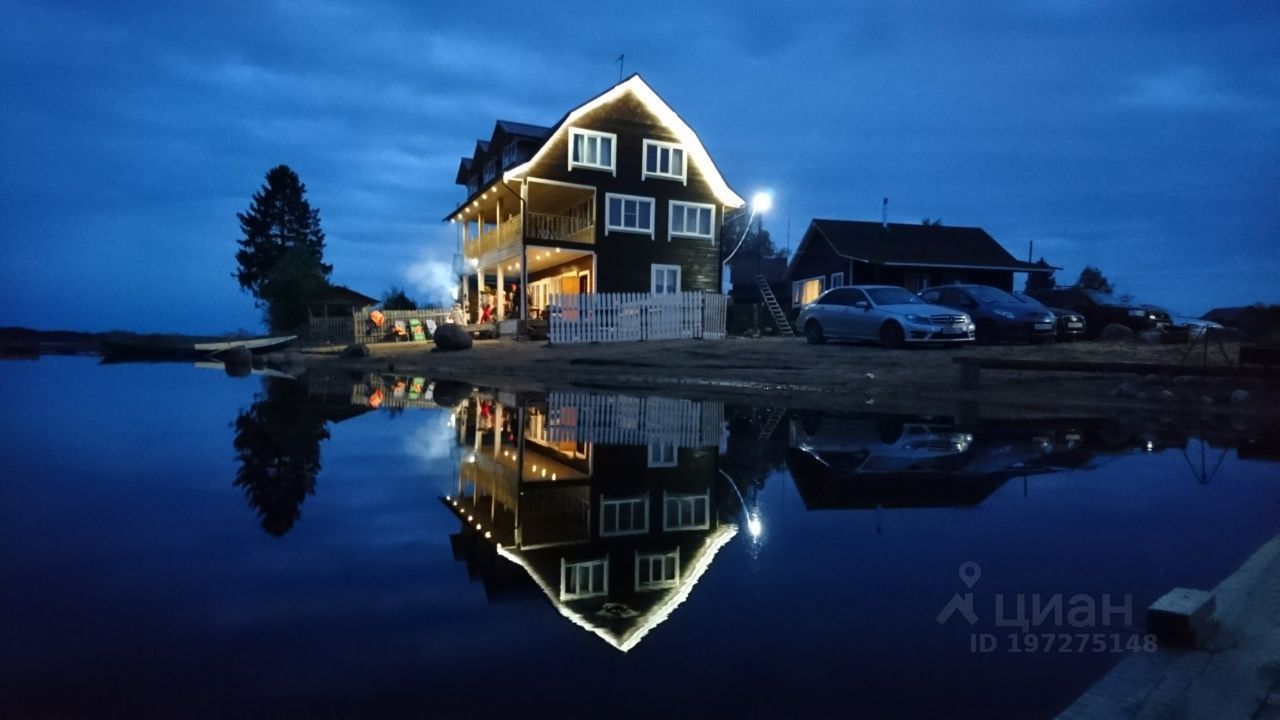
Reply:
x=591, y=150
x=473, y=184
x=490, y=170
x=664, y=160
x=510, y=153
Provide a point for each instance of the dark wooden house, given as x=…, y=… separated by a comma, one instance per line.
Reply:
x=618, y=196
x=833, y=253
x=331, y=314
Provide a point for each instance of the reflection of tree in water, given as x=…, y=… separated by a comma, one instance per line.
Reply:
x=278, y=445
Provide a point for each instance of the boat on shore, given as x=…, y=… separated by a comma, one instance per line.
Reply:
x=167, y=348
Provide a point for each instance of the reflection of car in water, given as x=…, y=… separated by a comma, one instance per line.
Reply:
x=899, y=461
x=870, y=444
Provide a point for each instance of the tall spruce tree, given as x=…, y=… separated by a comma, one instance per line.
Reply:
x=281, y=256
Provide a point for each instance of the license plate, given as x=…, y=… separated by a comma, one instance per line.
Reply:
x=1075, y=325
x=951, y=331
x=1044, y=326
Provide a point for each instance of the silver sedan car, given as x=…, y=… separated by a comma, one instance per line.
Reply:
x=892, y=315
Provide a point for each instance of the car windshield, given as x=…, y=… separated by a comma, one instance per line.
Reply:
x=893, y=296
x=986, y=295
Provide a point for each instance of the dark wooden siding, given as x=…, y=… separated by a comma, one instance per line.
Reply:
x=624, y=258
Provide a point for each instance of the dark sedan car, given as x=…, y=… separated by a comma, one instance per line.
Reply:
x=1101, y=309
x=1071, y=324
x=998, y=315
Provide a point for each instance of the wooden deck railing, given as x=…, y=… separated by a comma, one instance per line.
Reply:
x=540, y=226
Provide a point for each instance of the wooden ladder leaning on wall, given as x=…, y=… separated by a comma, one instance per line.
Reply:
x=771, y=302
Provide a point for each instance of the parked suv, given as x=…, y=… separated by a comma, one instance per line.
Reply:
x=998, y=315
x=1071, y=324
x=1101, y=309
x=892, y=315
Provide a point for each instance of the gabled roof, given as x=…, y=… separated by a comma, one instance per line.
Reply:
x=520, y=129
x=341, y=295
x=464, y=168
x=656, y=105
x=915, y=245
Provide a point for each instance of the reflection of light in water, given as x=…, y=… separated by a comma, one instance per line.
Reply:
x=754, y=526
x=1151, y=446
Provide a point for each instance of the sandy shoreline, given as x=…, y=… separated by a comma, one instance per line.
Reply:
x=789, y=372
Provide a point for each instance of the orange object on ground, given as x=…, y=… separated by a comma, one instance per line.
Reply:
x=377, y=318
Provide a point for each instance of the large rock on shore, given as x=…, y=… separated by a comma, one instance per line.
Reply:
x=1116, y=331
x=451, y=336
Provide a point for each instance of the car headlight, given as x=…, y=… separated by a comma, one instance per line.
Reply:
x=1137, y=313
x=1007, y=315
x=970, y=327
x=920, y=319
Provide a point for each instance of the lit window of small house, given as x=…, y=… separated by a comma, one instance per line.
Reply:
x=804, y=292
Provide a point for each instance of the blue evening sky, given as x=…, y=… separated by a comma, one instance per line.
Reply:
x=1141, y=137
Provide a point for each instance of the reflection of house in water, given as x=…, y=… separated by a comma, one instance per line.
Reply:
x=873, y=461
x=612, y=505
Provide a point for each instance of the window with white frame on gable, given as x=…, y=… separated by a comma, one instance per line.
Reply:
x=628, y=213
x=664, y=160
x=584, y=579
x=591, y=150
x=693, y=220
x=491, y=170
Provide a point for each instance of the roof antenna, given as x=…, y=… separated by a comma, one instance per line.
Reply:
x=884, y=214
x=621, y=62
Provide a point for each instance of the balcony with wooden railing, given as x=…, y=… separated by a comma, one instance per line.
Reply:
x=536, y=226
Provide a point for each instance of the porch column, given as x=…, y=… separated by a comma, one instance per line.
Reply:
x=497, y=300
x=497, y=428
x=479, y=291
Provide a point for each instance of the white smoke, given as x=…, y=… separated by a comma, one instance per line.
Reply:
x=433, y=441
x=432, y=280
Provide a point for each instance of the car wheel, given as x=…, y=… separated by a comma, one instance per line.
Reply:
x=813, y=333
x=891, y=335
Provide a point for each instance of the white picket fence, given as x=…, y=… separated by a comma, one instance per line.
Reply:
x=621, y=317
x=623, y=420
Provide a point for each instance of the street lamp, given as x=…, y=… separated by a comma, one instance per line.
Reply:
x=761, y=202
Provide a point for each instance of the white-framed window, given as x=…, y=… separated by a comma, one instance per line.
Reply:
x=628, y=213
x=837, y=279
x=685, y=512
x=490, y=169
x=664, y=160
x=584, y=579
x=693, y=220
x=664, y=279
x=510, y=153
x=592, y=150
x=662, y=454
x=624, y=516
x=655, y=571
x=804, y=292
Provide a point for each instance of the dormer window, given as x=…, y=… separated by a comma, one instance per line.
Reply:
x=510, y=153
x=473, y=184
x=591, y=150
x=490, y=170
x=664, y=160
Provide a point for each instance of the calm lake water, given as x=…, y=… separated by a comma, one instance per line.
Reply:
x=177, y=542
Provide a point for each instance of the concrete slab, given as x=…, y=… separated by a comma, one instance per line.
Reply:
x=1233, y=673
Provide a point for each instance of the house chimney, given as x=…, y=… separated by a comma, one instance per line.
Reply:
x=884, y=213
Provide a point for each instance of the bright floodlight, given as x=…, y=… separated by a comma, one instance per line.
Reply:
x=761, y=202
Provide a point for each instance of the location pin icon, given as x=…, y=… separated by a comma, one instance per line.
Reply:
x=969, y=573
